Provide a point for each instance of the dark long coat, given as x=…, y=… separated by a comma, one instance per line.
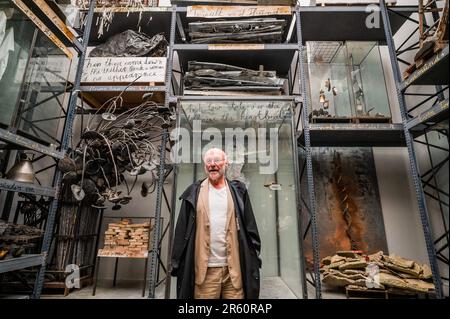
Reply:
x=183, y=252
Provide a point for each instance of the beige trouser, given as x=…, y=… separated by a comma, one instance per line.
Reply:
x=217, y=285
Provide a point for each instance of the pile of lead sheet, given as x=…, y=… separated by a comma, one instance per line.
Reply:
x=255, y=30
x=205, y=78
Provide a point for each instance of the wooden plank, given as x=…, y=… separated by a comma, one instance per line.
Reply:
x=201, y=11
x=236, y=46
x=56, y=20
x=41, y=26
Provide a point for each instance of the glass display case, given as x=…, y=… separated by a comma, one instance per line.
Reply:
x=346, y=82
x=16, y=36
x=33, y=78
x=264, y=162
x=43, y=97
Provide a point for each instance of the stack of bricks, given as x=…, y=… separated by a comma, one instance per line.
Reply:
x=125, y=239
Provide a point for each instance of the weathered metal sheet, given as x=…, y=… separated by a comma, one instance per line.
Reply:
x=349, y=214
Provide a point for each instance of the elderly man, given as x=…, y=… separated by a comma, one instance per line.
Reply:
x=216, y=248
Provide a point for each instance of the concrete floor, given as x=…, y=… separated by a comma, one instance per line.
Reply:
x=271, y=288
x=275, y=288
x=124, y=289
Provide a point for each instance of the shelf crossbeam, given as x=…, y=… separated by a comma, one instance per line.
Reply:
x=27, y=143
x=22, y=262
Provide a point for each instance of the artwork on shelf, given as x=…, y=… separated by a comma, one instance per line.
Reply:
x=16, y=240
x=130, y=43
x=349, y=214
x=109, y=148
x=127, y=57
x=124, y=239
x=250, y=30
x=205, y=78
x=346, y=81
x=361, y=272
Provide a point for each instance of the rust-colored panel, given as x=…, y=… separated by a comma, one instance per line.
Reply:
x=349, y=214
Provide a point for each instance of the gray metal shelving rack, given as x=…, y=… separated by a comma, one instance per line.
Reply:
x=311, y=135
x=418, y=120
x=274, y=56
x=163, y=20
x=336, y=29
x=22, y=141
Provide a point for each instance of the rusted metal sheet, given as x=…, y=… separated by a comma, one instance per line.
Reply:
x=349, y=214
x=203, y=11
x=41, y=26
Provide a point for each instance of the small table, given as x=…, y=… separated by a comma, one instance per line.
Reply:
x=117, y=257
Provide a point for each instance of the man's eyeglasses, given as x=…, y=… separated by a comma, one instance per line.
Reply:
x=214, y=160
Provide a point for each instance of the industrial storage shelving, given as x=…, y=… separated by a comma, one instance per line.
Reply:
x=336, y=134
x=41, y=18
x=420, y=119
x=334, y=26
x=162, y=19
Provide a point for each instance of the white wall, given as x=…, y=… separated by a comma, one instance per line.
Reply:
x=400, y=211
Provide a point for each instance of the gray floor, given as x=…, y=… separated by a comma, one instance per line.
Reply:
x=123, y=290
x=275, y=288
x=271, y=288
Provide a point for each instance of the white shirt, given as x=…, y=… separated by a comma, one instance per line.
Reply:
x=218, y=223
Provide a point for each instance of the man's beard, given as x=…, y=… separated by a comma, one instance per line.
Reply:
x=216, y=177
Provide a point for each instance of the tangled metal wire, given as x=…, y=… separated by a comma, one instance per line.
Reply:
x=117, y=144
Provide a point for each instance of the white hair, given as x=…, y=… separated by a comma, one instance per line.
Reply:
x=216, y=150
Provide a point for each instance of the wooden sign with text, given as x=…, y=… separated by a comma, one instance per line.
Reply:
x=200, y=11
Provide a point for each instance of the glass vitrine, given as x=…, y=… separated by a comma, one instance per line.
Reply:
x=16, y=36
x=257, y=137
x=33, y=77
x=346, y=80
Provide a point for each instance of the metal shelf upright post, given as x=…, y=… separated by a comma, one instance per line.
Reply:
x=413, y=163
x=276, y=56
x=45, y=20
x=311, y=209
x=156, y=237
x=65, y=144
